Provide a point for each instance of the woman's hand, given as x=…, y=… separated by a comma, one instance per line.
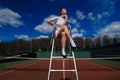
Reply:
x=66, y=17
x=50, y=22
x=56, y=27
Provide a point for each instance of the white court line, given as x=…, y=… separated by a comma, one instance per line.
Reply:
x=20, y=68
x=103, y=66
x=6, y=72
x=66, y=58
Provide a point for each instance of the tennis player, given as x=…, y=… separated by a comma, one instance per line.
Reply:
x=62, y=32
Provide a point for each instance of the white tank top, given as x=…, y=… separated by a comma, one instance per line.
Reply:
x=58, y=21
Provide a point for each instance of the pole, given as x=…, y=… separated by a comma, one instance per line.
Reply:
x=63, y=68
x=98, y=20
x=31, y=45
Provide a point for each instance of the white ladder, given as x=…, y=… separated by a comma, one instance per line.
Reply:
x=63, y=69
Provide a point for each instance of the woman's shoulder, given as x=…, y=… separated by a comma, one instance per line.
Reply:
x=55, y=17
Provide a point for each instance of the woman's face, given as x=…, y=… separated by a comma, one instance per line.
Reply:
x=63, y=11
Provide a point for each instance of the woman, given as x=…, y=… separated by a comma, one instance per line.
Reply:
x=62, y=30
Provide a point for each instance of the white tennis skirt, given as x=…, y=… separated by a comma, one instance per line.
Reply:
x=56, y=32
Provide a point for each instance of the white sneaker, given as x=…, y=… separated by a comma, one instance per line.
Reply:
x=72, y=43
x=64, y=54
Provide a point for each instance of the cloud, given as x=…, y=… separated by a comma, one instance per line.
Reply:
x=77, y=35
x=45, y=27
x=80, y=15
x=105, y=5
x=103, y=10
x=111, y=30
x=82, y=31
x=105, y=14
x=74, y=22
x=41, y=36
x=1, y=25
x=99, y=16
x=95, y=35
x=109, y=6
x=24, y=37
x=9, y=17
x=74, y=30
x=90, y=16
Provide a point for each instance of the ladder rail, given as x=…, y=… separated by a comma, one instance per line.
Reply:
x=63, y=68
x=75, y=65
x=60, y=57
x=51, y=59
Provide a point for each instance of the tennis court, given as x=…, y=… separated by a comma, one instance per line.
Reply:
x=37, y=69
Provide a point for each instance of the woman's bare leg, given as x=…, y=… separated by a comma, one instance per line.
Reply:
x=65, y=29
x=63, y=39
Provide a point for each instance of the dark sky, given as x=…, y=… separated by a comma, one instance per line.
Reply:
x=25, y=19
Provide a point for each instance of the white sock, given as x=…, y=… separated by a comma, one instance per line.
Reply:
x=72, y=43
x=63, y=51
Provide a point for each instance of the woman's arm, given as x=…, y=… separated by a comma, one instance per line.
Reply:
x=51, y=23
x=66, y=18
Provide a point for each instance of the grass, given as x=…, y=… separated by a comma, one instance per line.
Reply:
x=110, y=62
x=13, y=63
x=46, y=54
x=82, y=54
x=78, y=54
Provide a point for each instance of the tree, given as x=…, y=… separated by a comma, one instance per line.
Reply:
x=97, y=42
x=106, y=40
x=79, y=42
x=89, y=42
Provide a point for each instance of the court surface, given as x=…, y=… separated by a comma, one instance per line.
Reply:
x=38, y=70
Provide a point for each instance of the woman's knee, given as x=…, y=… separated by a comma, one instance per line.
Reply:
x=64, y=26
x=63, y=34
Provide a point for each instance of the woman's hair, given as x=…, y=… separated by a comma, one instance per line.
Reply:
x=62, y=9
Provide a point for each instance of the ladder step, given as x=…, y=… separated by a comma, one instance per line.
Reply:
x=61, y=57
x=62, y=70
